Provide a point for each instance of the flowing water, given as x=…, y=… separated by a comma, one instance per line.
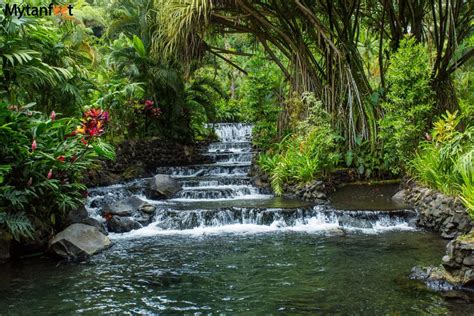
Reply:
x=222, y=245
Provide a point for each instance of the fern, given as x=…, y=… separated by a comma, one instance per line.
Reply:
x=18, y=225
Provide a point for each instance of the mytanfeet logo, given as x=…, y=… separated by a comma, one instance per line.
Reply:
x=22, y=9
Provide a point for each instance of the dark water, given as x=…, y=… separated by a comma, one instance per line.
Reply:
x=366, y=196
x=282, y=272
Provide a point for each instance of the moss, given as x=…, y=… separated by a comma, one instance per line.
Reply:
x=469, y=237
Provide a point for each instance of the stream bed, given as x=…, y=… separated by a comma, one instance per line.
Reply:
x=222, y=245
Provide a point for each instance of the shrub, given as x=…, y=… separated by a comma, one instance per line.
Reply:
x=447, y=162
x=409, y=101
x=42, y=161
x=309, y=151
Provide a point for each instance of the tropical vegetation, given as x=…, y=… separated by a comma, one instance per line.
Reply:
x=380, y=87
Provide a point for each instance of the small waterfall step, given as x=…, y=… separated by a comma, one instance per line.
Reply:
x=167, y=218
x=230, y=147
x=239, y=169
x=189, y=182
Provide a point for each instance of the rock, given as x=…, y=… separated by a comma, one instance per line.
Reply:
x=120, y=224
x=147, y=209
x=4, y=250
x=78, y=241
x=399, y=196
x=468, y=280
x=469, y=260
x=81, y=216
x=76, y=215
x=127, y=207
x=162, y=186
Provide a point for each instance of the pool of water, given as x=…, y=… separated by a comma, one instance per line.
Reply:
x=289, y=272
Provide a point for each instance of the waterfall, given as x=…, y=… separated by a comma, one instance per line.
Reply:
x=219, y=198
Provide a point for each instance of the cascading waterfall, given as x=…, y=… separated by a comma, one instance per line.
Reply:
x=220, y=197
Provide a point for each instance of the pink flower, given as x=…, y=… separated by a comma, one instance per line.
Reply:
x=149, y=102
x=33, y=145
x=53, y=116
x=50, y=174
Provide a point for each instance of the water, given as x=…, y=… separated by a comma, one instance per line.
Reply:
x=224, y=246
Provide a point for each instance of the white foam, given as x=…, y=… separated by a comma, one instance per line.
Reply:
x=313, y=225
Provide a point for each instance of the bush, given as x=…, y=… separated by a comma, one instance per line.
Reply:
x=42, y=161
x=408, y=105
x=447, y=162
x=309, y=151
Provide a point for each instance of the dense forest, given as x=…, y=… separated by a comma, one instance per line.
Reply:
x=384, y=88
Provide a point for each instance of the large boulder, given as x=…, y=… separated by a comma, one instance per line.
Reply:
x=162, y=186
x=121, y=224
x=78, y=241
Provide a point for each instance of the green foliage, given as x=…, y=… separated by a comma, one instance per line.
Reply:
x=408, y=103
x=447, y=162
x=45, y=61
x=367, y=161
x=261, y=93
x=42, y=163
x=306, y=153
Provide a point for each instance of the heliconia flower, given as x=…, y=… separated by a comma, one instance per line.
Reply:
x=50, y=174
x=53, y=116
x=61, y=158
x=33, y=145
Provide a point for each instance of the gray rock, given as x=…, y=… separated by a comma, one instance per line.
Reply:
x=120, y=224
x=469, y=260
x=399, y=196
x=162, y=186
x=127, y=207
x=468, y=280
x=78, y=241
x=148, y=209
x=81, y=216
x=76, y=216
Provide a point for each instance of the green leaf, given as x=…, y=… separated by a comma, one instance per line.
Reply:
x=139, y=47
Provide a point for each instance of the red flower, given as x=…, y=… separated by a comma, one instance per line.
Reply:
x=33, y=145
x=61, y=158
x=50, y=174
x=53, y=116
x=83, y=141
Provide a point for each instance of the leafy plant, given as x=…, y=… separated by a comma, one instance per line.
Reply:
x=408, y=103
x=309, y=151
x=43, y=160
x=447, y=162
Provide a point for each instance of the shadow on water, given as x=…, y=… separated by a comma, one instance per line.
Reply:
x=366, y=197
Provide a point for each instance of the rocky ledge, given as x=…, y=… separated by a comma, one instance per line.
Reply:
x=456, y=272
x=447, y=216
x=443, y=214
